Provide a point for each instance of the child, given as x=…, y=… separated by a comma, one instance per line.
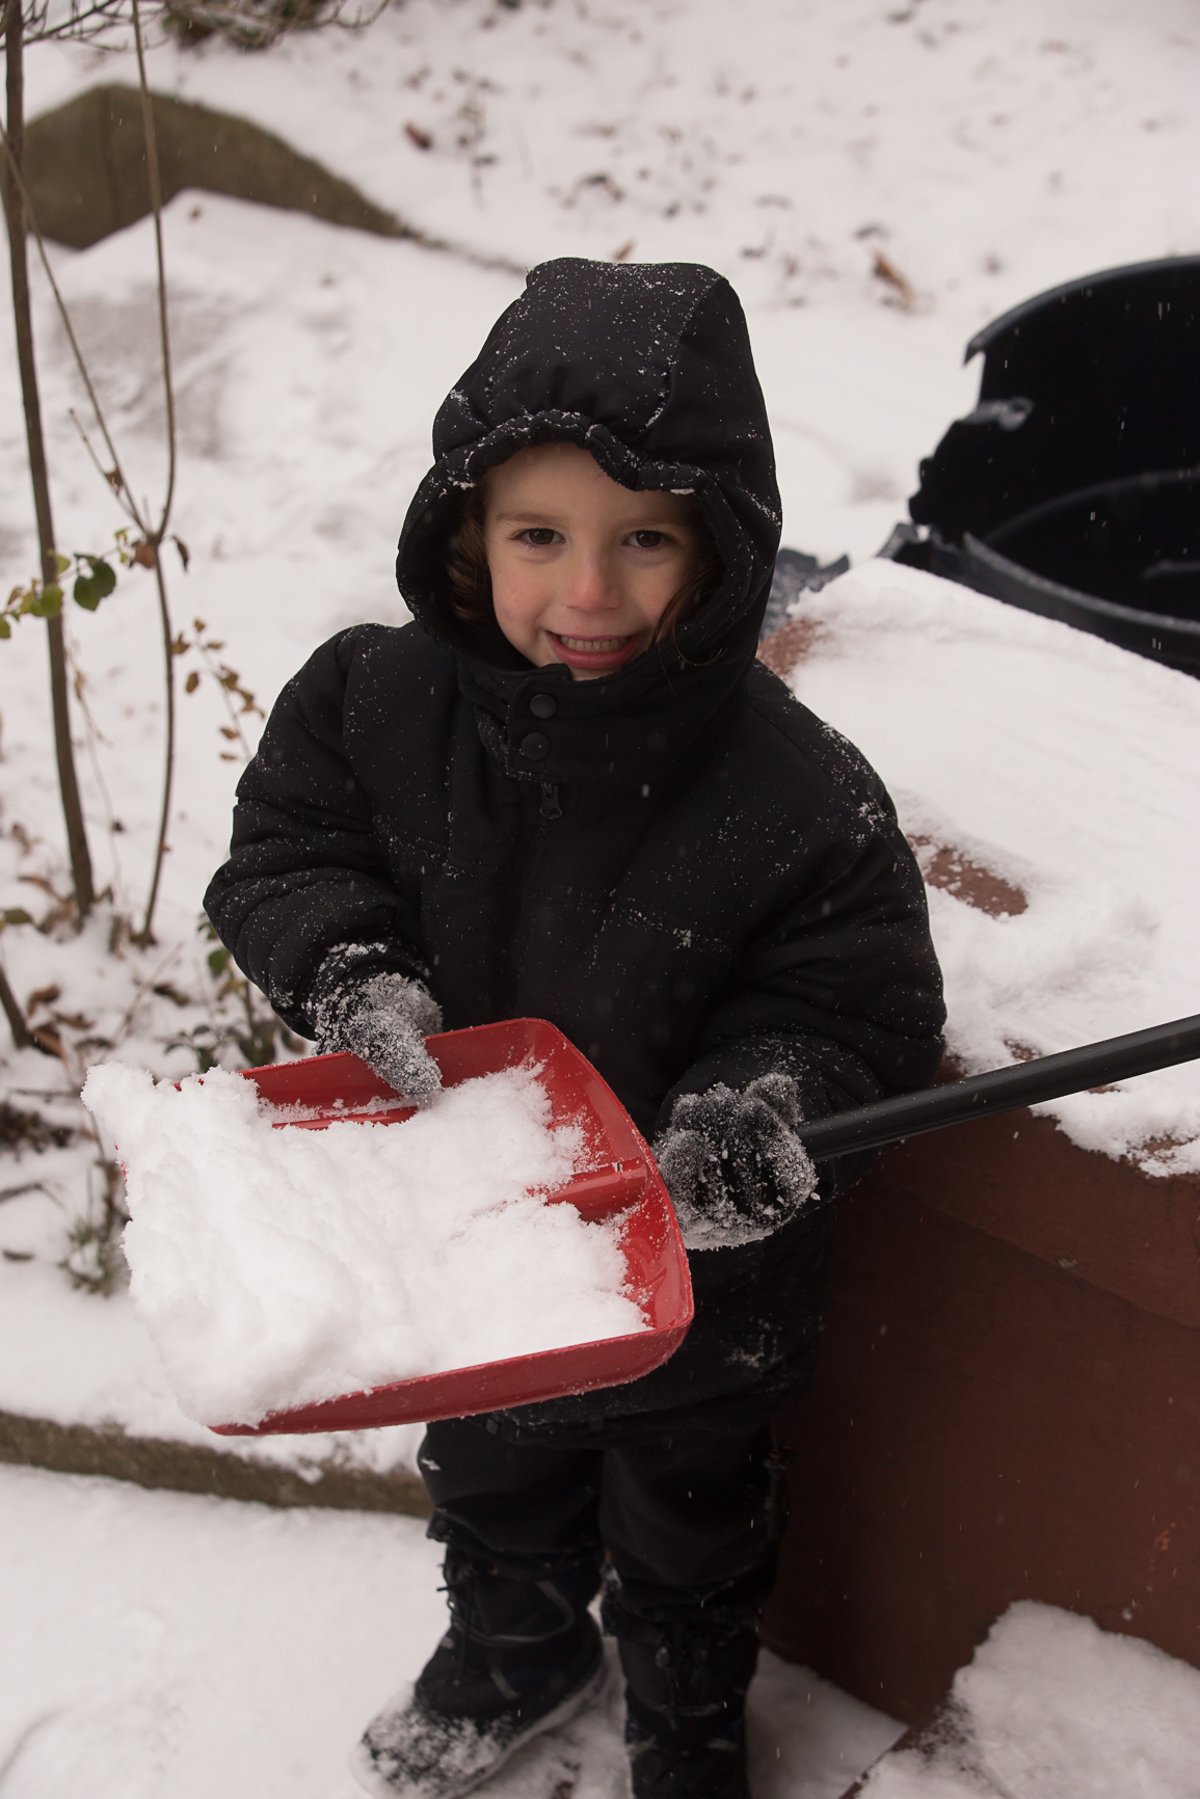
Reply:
x=570, y=791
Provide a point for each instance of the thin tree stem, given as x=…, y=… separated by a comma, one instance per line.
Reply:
x=146, y=934
x=15, y=219
x=155, y=538
x=154, y=183
x=22, y=1036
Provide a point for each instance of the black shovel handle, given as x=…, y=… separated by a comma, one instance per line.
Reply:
x=1002, y=1090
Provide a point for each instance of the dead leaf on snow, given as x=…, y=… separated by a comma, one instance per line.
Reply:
x=903, y=292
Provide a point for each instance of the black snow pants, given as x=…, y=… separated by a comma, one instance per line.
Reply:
x=684, y=1529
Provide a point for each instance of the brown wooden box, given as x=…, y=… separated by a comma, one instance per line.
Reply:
x=1007, y=1406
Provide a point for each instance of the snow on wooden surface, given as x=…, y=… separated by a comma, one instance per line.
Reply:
x=1061, y=769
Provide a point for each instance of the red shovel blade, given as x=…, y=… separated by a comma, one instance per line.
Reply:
x=618, y=1175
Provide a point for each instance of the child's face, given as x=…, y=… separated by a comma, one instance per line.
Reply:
x=582, y=569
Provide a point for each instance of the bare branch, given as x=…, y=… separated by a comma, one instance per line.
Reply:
x=256, y=24
x=82, y=23
x=155, y=538
x=112, y=477
x=16, y=226
x=252, y=24
x=154, y=182
x=146, y=934
x=22, y=1036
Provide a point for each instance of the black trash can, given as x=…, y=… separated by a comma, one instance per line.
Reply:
x=1073, y=488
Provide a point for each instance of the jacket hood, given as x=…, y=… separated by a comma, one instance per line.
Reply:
x=647, y=366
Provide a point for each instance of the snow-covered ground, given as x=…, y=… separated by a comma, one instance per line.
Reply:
x=1052, y=1707
x=878, y=178
x=165, y=1646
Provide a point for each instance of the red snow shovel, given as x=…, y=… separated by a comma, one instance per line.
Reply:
x=622, y=1173
x=619, y=1175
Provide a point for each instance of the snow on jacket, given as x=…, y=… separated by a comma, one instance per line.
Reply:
x=678, y=864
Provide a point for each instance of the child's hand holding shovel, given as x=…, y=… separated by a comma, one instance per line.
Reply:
x=380, y=1016
x=734, y=1163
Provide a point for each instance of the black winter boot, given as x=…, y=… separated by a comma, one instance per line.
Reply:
x=663, y=1768
x=686, y=1680
x=520, y=1656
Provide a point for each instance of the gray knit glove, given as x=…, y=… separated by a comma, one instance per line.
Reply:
x=734, y=1164
x=383, y=1019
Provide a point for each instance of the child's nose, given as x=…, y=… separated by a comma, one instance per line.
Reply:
x=592, y=586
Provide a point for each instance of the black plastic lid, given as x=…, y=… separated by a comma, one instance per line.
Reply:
x=1092, y=382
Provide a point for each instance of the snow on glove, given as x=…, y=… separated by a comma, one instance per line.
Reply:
x=383, y=1019
x=734, y=1164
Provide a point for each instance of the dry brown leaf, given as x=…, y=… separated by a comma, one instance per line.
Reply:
x=885, y=270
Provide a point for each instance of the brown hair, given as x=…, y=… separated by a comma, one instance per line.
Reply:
x=471, y=582
x=467, y=564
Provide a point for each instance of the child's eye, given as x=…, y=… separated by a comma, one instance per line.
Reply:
x=650, y=540
x=537, y=535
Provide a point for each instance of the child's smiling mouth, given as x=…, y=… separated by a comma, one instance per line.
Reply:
x=598, y=644
x=595, y=655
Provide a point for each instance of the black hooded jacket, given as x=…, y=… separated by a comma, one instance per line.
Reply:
x=692, y=876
